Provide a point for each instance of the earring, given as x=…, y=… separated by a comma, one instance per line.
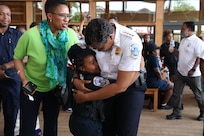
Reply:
x=50, y=20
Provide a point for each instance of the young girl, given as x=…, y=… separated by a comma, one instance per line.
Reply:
x=86, y=118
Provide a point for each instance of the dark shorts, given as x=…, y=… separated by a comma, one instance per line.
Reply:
x=158, y=83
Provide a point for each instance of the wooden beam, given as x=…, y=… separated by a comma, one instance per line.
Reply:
x=92, y=8
x=159, y=21
x=29, y=14
x=43, y=10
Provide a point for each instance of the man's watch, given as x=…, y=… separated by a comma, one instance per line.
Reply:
x=3, y=67
x=193, y=69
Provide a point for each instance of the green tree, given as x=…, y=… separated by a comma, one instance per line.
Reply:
x=183, y=6
x=75, y=12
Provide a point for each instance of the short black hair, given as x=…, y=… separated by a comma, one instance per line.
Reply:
x=33, y=24
x=190, y=25
x=114, y=17
x=146, y=35
x=51, y=5
x=97, y=31
x=77, y=53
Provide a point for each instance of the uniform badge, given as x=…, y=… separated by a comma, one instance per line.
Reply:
x=100, y=81
x=134, y=50
x=118, y=51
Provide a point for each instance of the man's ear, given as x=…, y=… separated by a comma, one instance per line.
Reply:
x=111, y=36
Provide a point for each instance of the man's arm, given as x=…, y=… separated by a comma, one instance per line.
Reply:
x=124, y=80
x=192, y=70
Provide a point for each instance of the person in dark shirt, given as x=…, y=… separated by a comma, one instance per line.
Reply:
x=10, y=83
x=170, y=60
x=154, y=76
x=147, y=42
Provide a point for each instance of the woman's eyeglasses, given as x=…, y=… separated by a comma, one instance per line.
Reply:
x=63, y=15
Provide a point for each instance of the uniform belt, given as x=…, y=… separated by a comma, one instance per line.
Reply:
x=140, y=80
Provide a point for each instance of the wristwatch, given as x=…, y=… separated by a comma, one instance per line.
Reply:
x=3, y=67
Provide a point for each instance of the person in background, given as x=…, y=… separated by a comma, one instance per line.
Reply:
x=21, y=28
x=33, y=24
x=154, y=76
x=80, y=29
x=113, y=19
x=145, y=44
x=118, y=52
x=201, y=36
x=188, y=71
x=46, y=46
x=169, y=59
x=10, y=83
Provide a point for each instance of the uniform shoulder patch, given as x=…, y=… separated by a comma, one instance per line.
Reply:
x=134, y=50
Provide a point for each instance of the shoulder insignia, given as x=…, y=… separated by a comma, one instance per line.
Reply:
x=100, y=81
x=129, y=34
x=134, y=50
x=118, y=51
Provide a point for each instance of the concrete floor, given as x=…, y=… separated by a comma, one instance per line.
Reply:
x=151, y=123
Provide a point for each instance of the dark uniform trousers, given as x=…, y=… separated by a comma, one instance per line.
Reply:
x=122, y=112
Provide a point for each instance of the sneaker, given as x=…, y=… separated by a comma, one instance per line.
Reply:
x=38, y=132
x=69, y=110
x=166, y=107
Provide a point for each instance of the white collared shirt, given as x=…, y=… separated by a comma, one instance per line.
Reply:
x=125, y=54
x=189, y=49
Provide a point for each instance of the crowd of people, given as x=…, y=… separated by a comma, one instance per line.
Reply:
x=106, y=62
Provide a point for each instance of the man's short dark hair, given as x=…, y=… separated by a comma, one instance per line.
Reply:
x=190, y=25
x=97, y=31
x=114, y=17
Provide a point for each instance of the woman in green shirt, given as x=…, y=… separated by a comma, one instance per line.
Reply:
x=46, y=46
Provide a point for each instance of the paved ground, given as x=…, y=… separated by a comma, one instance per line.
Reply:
x=151, y=123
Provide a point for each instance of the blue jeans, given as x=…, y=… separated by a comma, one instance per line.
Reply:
x=29, y=111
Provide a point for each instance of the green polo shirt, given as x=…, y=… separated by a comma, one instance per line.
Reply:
x=30, y=44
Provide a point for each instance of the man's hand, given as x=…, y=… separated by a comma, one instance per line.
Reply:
x=190, y=72
x=2, y=74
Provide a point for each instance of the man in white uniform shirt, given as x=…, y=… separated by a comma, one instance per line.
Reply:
x=118, y=52
x=189, y=54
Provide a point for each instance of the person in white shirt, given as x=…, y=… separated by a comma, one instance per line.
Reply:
x=189, y=54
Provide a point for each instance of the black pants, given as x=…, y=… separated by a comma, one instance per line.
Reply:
x=122, y=112
x=29, y=111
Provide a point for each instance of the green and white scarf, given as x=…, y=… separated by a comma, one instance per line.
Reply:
x=56, y=68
